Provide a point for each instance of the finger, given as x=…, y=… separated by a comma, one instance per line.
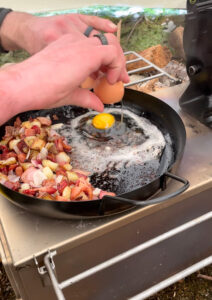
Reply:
x=99, y=23
x=85, y=98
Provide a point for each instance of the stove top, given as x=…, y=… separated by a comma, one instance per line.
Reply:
x=29, y=235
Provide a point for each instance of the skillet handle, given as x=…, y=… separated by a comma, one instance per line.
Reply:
x=158, y=199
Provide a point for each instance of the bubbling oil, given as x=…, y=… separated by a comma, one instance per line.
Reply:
x=130, y=150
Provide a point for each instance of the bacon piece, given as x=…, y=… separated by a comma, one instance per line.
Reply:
x=59, y=144
x=44, y=121
x=30, y=192
x=12, y=167
x=49, y=182
x=28, y=175
x=104, y=193
x=9, y=132
x=60, y=198
x=29, y=132
x=12, y=185
x=62, y=185
x=17, y=122
x=36, y=129
x=21, y=157
x=19, y=171
x=47, y=189
x=4, y=170
x=22, y=146
x=82, y=187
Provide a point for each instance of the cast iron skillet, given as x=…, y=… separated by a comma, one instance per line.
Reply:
x=145, y=105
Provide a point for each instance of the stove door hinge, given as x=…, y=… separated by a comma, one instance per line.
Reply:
x=42, y=269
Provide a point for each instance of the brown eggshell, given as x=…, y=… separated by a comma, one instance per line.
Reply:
x=109, y=93
x=88, y=83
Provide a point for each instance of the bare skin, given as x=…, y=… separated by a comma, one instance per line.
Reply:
x=62, y=59
x=52, y=77
x=31, y=33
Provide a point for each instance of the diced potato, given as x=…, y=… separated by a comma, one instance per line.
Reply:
x=48, y=163
x=62, y=157
x=34, y=154
x=67, y=167
x=8, y=162
x=29, y=140
x=49, y=145
x=13, y=143
x=67, y=192
x=4, y=142
x=48, y=172
x=42, y=134
x=26, y=124
x=36, y=123
x=83, y=196
x=38, y=144
x=72, y=176
x=25, y=166
x=48, y=197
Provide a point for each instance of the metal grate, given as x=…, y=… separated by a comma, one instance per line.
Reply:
x=160, y=71
x=58, y=287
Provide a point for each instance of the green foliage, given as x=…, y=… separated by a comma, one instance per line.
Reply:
x=147, y=33
x=13, y=57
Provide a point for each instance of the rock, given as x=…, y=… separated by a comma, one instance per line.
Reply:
x=158, y=55
x=176, y=42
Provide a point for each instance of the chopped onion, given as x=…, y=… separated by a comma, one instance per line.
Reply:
x=21, y=130
x=38, y=178
x=13, y=178
x=96, y=192
x=59, y=178
x=28, y=154
x=43, y=154
x=25, y=186
x=57, y=126
x=15, y=148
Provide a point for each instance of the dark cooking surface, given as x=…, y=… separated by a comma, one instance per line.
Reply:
x=158, y=113
x=21, y=226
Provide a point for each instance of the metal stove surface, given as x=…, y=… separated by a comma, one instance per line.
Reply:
x=26, y=235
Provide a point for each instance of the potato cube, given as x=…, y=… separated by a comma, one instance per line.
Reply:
x=67, y=167
x=13, y=143
x=48, y=163
x=72, y=176
x=67, y=193
x=8, y=162
x=29, y=140
x=62, y=157
x=26, y=124
x=25, y=166
x=48, y=172
x=35, y=123
x=38, y=144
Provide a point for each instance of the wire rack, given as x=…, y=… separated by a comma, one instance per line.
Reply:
x=149, y=65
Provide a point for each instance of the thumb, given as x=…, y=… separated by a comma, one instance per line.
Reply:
x=85, y=98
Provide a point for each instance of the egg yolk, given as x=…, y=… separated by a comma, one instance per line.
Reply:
x=103, y=121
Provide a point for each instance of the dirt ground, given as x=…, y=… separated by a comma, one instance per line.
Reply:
x=191, y=288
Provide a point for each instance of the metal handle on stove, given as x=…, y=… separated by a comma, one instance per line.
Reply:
x=158, y=199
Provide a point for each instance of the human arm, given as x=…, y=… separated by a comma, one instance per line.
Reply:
x=52, y=77
x=21, y=30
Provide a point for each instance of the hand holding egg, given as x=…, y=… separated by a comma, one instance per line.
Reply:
x=109, y=93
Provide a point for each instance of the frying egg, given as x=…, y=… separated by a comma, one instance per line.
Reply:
x=103, y=121
x=109, y=93
x=88, y=83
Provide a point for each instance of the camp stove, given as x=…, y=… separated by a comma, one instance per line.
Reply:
x=136, y=253
x=197, y=99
